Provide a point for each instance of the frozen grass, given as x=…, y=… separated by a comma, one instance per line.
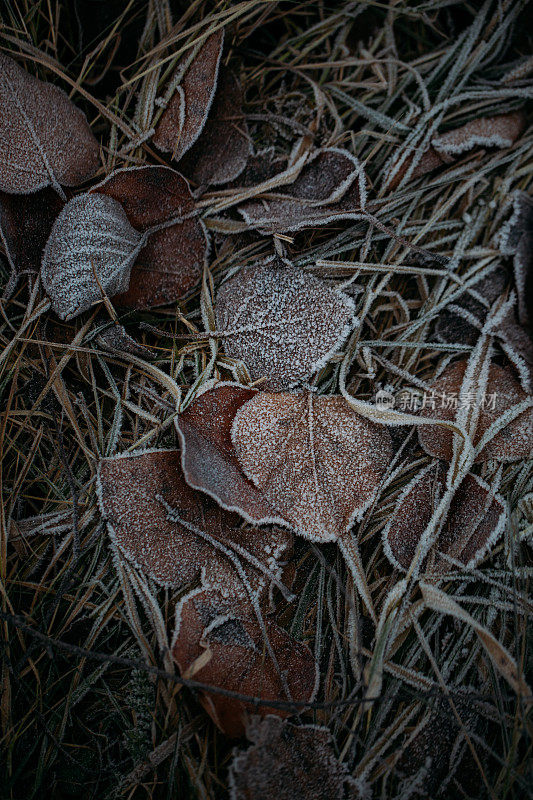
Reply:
x=82, y=714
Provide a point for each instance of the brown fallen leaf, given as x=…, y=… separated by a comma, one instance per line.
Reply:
x=475, y=521
x=116, y=339
x=516, y=240
x=313, y=198
x=288, y=762
x=25, y=225
x=214, y=646
x=283, y=323
x=221, y=152
x=91, y=249
x=315, y=460
x=501, y=130
x=44, y=139
x=174, y=533
x=318, y=463
x=186, y=113
x=512, y=443
x=208, y=458
x=171, y=262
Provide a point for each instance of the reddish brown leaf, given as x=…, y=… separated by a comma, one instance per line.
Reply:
x=474, y=522
x=429, y=161
x=184, y=118
x=25, y=225
x=133, y=490
x=171, y=262
x=501, y=130
x=288, y=762
x=512, y=443
x=314, y=459
x=44, y=139
x=208, y=458
x=208, y=631
x=283, y=323
x=314, y=196
x=222, y=150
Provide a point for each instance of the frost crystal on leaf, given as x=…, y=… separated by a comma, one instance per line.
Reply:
x=171, y=262
x=512, y=443
x=90, y=250
x=222, y=150
x=516, y=239
x=208, y=458
x=315, y=460
x=214, y=646
x=44, y=139
x=135, y=493
x=284, y=324
x=474, y=522
x=286, y=762
x=184, y=118
x=498, y=131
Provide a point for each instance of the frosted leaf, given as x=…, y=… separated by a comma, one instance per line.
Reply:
x=454, y=325
x=512, y=443
x=315, y=460
x=283, y=323
x=475, y=520
x=234, y=658
x=516, y=239
x=44, y=139
x=91, y=248
x=208, y=458
x=185, y=115
x=135, y=493
x=171, y=262
x=288, y=762
x=501, y=130
x=222, y=150
x=429, y=161
x=25, y=224
x=260, y=167
x=313, y=198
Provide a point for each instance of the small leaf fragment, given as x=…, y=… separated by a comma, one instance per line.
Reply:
x=287, y=762
x=221, y=152
x=315, y=460
x=501, y=130
x=512, y=443
x=171, y=262
x=283, y=323
x=44, y=139
x=91, y=249
x=185, y=115
x=208, y=458
x=238, y=660
x=475, y=520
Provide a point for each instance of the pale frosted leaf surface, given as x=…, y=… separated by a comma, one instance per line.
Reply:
x=314, y=197
x=501, y=130
x=474, y=522
x=25, y=224
x=208, y=458
x=512, y=443
x=223, y=148
x=184, y=118
x=286, y=762
x=516, y=240
x=316, y=461
x=44, y=139
x=135, y=493
x=236, y=660
x=283, y=323
x=91, y=247
x=171, y=262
